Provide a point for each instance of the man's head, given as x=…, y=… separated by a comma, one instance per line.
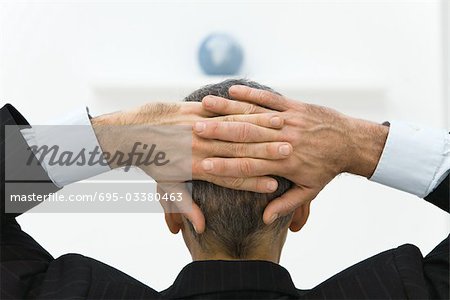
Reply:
x=234, y=224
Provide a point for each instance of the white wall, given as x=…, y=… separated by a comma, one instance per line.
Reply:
x=381, y=59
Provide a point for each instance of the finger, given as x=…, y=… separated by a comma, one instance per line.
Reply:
x=222, y=106
x=241, y=167
x=260, y=97
x=262, y=184
x=269, y=120
x=196, y=108
x=269, y=151
x=236, y=132
x=288, y=202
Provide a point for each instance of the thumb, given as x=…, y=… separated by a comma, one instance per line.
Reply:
x=288, y=202
x=183, y=205
x=196, y=217
x=191, y=211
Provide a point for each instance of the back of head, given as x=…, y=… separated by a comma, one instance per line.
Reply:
x=234, y=223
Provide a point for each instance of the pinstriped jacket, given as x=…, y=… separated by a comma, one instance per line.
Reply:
x=29, y=271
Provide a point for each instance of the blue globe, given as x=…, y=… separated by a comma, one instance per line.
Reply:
x=220, y=54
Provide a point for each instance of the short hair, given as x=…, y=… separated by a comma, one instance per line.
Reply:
x=233, y=218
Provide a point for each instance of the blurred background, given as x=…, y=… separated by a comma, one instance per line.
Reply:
x=379, y=60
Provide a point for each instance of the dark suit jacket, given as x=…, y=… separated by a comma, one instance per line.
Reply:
x=29, y=271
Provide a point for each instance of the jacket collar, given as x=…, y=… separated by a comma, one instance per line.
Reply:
x=216, y=276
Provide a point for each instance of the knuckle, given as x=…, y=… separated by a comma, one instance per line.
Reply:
x=196, y=144
x=244, y=132
x=236, y=182
x=286, y=136
x=245, y=167
x=290, y=204
x=249, y=109
x=267, y=95
x=283, y=100
x=214, y=179
x=264, y=120
x=247, y=92
x=225, y=149
x=238, y=150
x=215, y=149
x=270, y=150
x=201, y=147
x=219, y=166
x=228, y=118
x=264, y=95
x=213, y=128
x=223, y=105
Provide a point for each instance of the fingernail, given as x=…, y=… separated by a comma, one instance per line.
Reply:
x=284, y=149
x=199, y=126
x=275, y=121
x=209, y=101
x=272, y=185
x=273, y=218
x=207, y=165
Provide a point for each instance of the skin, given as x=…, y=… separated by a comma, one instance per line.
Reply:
x=112, y=139
x=325, y=142
x=268, y=249
x=238, y=143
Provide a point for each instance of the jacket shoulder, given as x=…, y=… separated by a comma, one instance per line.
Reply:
x=78, y=275
x=9, y=115
x=395, y=273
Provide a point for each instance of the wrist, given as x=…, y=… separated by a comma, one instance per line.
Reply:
x=367, y=141
x=120, y=133
x=107, y=129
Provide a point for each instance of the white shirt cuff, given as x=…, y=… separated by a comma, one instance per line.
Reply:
x=72, y=133
x=415, y=159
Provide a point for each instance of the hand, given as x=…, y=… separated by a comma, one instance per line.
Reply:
x=326, y=143
x=165, y=125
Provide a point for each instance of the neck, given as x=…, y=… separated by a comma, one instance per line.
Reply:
x=268, y=249
x=271, y=253
x=220, y=256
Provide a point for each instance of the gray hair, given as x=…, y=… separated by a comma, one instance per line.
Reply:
x=233, y=218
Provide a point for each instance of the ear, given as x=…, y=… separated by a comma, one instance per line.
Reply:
x=300, y=217
x=174, y=221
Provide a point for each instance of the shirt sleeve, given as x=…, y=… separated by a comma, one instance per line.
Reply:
x=415, y=159
x=74, y=134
